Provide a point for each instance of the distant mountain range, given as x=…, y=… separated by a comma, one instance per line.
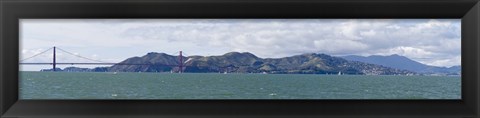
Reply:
x=401, y=62
x=236, y=62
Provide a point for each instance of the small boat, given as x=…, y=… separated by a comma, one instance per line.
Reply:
x=225, y=72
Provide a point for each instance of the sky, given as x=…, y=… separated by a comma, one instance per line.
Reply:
x=434, y=42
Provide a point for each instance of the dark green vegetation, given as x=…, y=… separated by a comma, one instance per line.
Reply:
x=235, y=62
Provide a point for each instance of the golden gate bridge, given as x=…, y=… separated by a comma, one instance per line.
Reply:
x=54, y=62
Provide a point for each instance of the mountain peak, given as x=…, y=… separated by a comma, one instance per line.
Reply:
x=395, y=55
x=232, y=53
x=156, y=53
x=240, y=54
x=316, y=55
x=380, y=56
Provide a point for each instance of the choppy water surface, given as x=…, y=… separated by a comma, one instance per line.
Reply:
x=80, y=85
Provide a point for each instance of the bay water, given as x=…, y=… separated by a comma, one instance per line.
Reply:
x=108, y=85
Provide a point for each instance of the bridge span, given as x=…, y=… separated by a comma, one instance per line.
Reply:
x=54, y=62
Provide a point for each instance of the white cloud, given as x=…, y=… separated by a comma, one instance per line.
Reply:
x=451, y=61
x=368, y=33
x=411, y=52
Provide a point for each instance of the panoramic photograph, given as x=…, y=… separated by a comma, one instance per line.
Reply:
x=190, y=59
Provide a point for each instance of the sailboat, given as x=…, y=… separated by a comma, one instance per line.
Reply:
x=339, y=72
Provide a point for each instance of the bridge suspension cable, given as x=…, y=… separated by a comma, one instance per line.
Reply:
x=175, y=53
x=36, y=54
x=185, y=54
x=81, y=56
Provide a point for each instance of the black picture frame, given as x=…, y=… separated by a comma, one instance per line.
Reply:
x=13, y=10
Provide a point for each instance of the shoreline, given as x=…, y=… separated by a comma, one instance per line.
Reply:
x=246, y=73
